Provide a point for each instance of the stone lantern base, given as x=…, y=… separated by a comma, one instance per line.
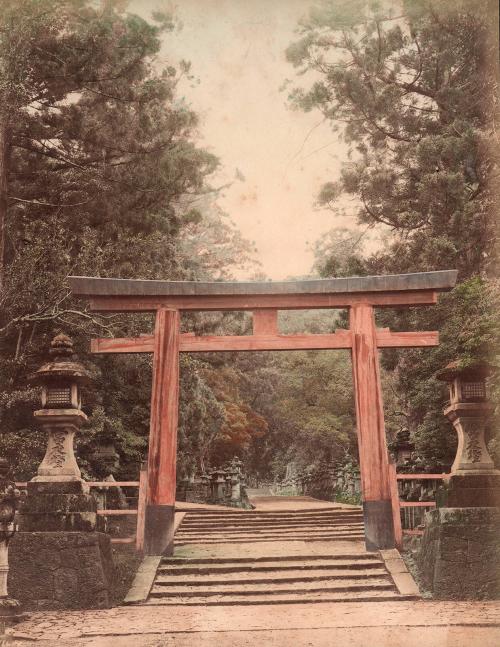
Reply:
x=61, y=570
x=459, y=557
x=469, y=490
x=59, y=559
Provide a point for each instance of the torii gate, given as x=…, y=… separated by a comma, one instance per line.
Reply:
x=169, y=298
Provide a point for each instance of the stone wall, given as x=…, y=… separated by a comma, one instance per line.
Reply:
x=459, y=557
x=61, y=570
x=193, y=491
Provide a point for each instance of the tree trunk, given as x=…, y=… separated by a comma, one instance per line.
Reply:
x=4, y=168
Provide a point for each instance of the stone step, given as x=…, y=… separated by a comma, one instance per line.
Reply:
x=302, y=511
x=273, y=515
x=250, y=536
x=257, y=530
x=272, y=559
x=299, y=536
x=268, y=533
x=185, y=542
x=269, y=524
x=269, y=567
x=249, y=577
x=270, y=588
x=290, y=598
x=280, y=528
x=268, y=537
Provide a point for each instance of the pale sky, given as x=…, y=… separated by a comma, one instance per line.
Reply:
x=236, y=49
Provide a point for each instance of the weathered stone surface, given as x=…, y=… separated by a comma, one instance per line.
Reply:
x=61, y=570
x=54, y=522
x=459, y=557
x=473, y=490
x=54, y=511
x=61, y=503
x=55, y=487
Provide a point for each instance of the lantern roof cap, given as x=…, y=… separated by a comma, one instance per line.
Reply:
x=62, y=365
x=475, y=370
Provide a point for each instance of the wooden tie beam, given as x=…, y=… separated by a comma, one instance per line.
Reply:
x=169, y=298
x=206, y=344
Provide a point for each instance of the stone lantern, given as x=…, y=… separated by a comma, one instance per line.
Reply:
x=402, y=447
x=474, y=480
x=61, y=559
x=61, y=416
x=459, y=557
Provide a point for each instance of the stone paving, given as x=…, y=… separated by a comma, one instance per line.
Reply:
x=142, y=626
x=416, y=623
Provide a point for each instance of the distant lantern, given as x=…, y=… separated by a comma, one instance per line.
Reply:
x=402, y=447
x=61, y=377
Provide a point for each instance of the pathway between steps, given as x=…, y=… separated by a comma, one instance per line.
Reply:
x=293, y=571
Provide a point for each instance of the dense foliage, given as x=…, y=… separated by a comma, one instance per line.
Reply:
x=414, y=94
x=100, y=175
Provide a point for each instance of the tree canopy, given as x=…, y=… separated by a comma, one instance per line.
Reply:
x=414, y=94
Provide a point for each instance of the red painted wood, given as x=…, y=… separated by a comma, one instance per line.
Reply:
x=265, y=322
x=164, y=409
x=341, y=339
x=262, y=341
x=417, y=504
x=414, y=477
x=256, y=302
x=141, y=509
x=396, y=514
x=143, y=344
x=373, y=457
x=388, y=339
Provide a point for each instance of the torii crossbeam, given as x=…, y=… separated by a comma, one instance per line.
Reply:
x=358, y=294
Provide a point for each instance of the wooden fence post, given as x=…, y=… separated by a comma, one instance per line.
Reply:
x=396, y=514
x=141, y=508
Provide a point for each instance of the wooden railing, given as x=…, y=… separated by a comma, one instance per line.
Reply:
x=408, y=515
x=139, y=512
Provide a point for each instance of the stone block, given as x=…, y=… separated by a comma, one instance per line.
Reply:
x=473, y=490
x=459, y=557
x=60, y=503
x=54, y=522
x=57, y=487
x=61, y=570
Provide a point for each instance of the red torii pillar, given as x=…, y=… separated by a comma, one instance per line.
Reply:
x=162, y=454
x=373, y=456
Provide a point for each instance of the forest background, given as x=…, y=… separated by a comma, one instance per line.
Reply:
x=101, y=175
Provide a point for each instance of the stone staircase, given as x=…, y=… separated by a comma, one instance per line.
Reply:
x=236, y=526
x=298, y=555
x=272, y=580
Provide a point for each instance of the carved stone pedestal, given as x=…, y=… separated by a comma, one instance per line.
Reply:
x=474, y=481
x=59, y=463
x=59, y=559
